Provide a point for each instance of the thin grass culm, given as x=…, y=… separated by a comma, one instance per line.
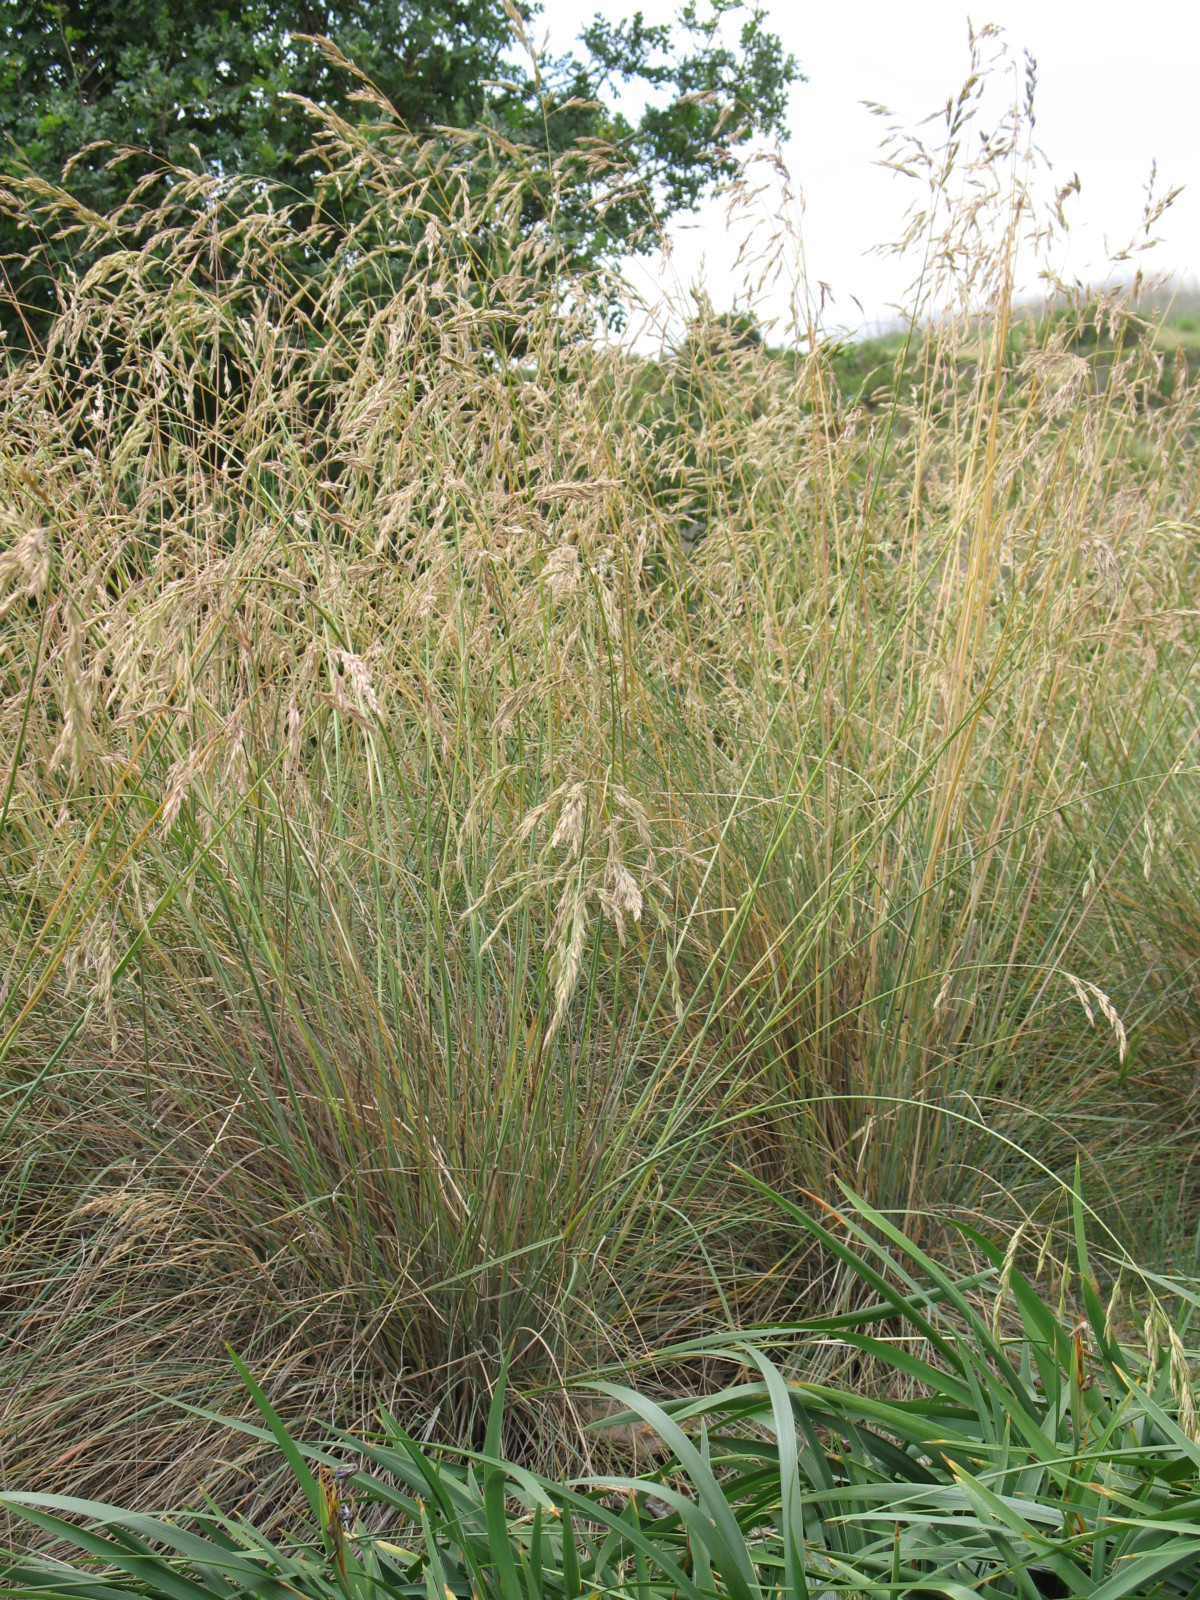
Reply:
x=488, y=813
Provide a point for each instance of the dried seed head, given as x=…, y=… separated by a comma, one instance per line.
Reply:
x=1182, y=1387
x=568, y=830
x=1006, y=1272
x=621, y=896
x=29, y=561
x=566, y=957
x=357, y=671
x=562, y=570
x=292, y=734
x=1083, y=989
x=179, y=781
x=77, y=699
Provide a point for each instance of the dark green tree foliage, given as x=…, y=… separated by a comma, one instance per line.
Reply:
x=177, y=83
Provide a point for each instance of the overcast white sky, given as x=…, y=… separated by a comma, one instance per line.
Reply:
x=1117, y=88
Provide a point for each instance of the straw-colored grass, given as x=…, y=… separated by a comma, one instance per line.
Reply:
x=468, y=790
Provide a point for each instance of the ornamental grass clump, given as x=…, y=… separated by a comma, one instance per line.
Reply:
x=472, y=791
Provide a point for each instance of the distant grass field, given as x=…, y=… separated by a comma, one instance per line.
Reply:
x=477, y=806
x=1172, y=322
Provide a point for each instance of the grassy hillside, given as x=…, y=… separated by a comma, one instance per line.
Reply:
x=474, y=801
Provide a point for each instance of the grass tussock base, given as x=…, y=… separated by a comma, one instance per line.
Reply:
x=1047, y=1459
